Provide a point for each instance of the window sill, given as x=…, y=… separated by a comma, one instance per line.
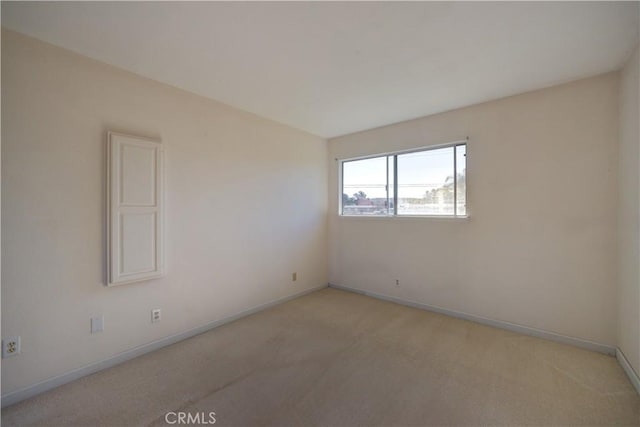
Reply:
x=445, y=217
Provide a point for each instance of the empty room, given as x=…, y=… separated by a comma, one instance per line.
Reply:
x=320, y=213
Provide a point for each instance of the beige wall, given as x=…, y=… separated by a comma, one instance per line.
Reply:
x=629, y=215
x=246, y=207
x=539, y=247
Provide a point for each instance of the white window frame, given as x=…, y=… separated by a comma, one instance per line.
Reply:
x=395, y=155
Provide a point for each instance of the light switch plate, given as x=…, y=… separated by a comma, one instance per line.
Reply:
x=97, y=324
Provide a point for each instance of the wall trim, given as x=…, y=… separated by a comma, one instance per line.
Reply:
x=51, y=383
x=628, y=369
x=67, y=377
x=513, y=327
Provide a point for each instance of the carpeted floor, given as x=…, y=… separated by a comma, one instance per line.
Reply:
x=334, y=358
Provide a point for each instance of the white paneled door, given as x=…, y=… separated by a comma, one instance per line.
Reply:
x=135, y=204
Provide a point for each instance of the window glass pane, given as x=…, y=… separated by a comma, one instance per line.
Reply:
x=461, y=166
x=364, y=187
x=390, y=180
x=425, y=182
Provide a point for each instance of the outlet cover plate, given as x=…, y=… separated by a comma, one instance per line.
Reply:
x=10, y=346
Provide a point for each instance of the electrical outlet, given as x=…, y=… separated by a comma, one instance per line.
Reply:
x=294, y=277
x=155, y=315
x=10, y=346
x=397, y=282
x=97, y=324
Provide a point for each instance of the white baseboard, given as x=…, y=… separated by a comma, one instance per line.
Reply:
x=526, y=330
x=628, y=369
x=48, y=384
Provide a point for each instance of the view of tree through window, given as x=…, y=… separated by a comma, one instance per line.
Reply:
x=429, y=182
x=461, y=182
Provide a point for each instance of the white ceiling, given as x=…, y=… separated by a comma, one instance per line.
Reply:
x=332, y=68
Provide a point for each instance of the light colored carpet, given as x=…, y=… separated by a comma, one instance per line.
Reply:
x=334, y=358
